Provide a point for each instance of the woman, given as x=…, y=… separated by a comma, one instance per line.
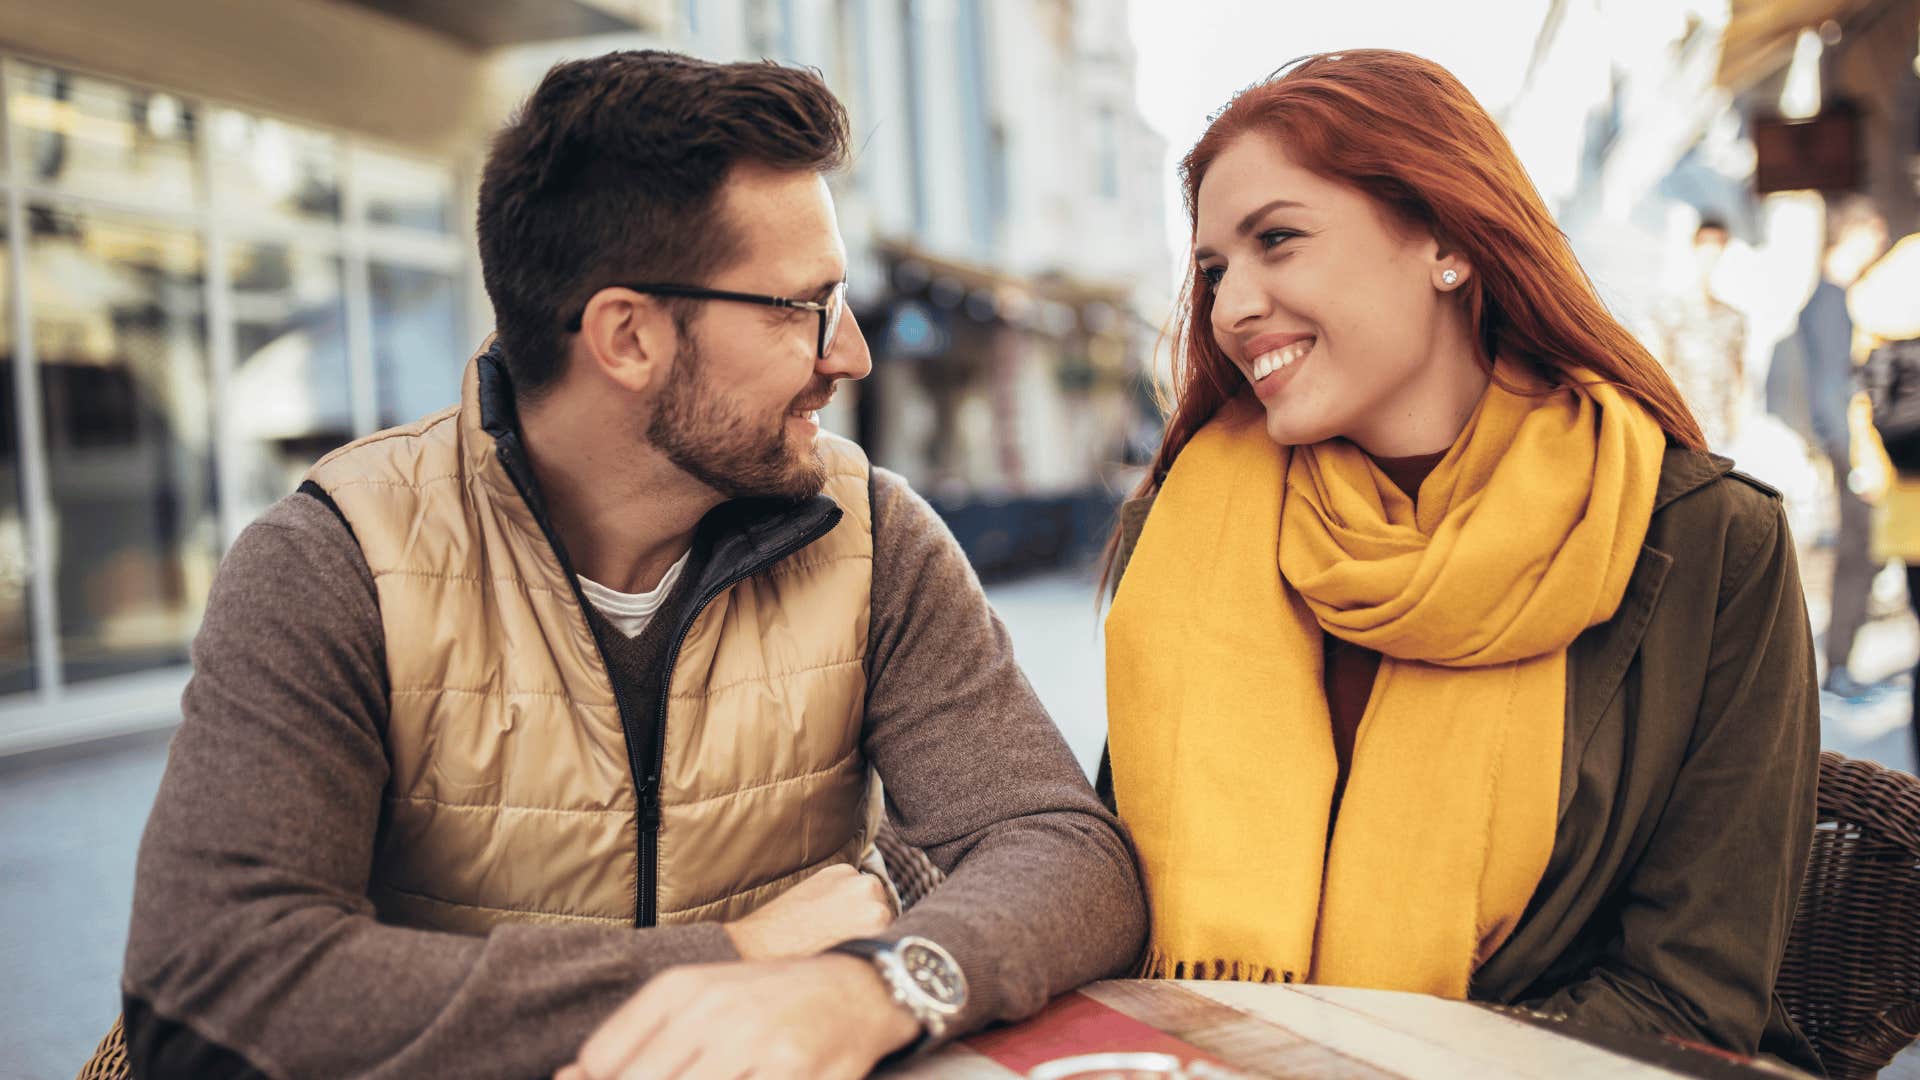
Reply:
x=1885, y=306
x=1445, y=659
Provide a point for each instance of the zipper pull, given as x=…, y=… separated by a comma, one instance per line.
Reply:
x=650, y=810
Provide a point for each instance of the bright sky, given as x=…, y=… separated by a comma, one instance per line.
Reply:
x=1193, y=54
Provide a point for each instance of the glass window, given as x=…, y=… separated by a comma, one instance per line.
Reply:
x=268, y=170
x=289, y=399
x=89, y=136
x=16, y=573
x=403, y=192
x=417, y=349
x=119, y=328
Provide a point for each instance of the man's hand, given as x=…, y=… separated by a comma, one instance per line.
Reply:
x=823, y=1016
x=834, y=905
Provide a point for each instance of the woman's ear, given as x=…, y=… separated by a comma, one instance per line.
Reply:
x=1450, y=266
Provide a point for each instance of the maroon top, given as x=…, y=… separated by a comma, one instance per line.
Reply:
x=1350, y=668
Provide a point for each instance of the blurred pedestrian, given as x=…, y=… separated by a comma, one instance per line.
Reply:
x=1885, y=305
x=1856, y=235
x=1701, y=340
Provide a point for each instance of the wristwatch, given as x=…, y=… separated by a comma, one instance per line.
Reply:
x=924, y=979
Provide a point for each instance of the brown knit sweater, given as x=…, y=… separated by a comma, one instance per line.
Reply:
x=254, y=948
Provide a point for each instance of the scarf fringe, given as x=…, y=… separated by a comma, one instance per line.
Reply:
x=1156, y=964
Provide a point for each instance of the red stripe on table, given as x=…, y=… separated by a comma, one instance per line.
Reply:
x=1074, y=1025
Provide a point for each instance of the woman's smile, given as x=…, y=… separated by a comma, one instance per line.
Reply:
x=1273, y=359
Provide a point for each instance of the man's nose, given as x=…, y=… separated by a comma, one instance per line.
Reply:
x=849, y=358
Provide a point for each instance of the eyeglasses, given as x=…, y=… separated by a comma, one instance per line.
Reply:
x=829, y=309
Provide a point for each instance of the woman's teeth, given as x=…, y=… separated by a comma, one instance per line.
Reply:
x=1279, y=359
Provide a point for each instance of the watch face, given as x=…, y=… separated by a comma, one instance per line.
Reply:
x=934, y=974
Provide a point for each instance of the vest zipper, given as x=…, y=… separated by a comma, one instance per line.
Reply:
x=650, y=788
x=507, y=448
x=649, y=823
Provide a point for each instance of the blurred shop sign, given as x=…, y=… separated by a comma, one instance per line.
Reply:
x=1821, y=153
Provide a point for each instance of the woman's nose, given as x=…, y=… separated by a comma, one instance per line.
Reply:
x=1236, y=300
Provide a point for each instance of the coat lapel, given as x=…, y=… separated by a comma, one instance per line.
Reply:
x=1598, y=660
x=1597, y=663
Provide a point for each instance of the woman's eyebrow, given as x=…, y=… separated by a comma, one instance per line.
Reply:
x=1247, y=223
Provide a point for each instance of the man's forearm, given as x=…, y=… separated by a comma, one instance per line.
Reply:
x=293, y=990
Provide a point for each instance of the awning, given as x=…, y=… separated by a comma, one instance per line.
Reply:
x=1051, y=303
x=1760, y=35
x=975, y=276
x=488, y=24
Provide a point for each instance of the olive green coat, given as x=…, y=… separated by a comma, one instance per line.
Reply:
x=1687, y=784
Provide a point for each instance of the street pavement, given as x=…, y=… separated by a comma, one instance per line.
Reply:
x=70, y=819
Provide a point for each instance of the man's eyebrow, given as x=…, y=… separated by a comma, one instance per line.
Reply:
x=822, y=290
x=1247, y=223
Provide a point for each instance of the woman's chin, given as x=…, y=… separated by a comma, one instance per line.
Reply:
x=1287, y=429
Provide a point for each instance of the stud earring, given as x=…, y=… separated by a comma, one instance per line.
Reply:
x=1450, y=277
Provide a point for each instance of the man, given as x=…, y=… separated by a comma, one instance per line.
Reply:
x=1701, y=340
x=1823, y=336
x=512, y=710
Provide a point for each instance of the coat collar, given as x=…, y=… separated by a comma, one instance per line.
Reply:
x=1683, y=472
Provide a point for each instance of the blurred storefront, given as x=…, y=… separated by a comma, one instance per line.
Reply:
x=1684, y=103
x=235, y=237
x=1009, y=401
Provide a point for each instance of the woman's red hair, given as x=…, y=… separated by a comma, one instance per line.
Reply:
x=1405, y=132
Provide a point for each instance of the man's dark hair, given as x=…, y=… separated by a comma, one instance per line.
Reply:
x=612, y=171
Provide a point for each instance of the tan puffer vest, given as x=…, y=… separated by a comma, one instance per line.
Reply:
x=511, y=795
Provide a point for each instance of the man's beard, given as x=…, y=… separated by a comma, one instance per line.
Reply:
x=726, y=450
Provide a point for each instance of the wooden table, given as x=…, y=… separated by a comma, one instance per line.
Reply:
x=1216, y=1030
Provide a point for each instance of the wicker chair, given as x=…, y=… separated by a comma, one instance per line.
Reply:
x=1851, y=977
x=109, y=1060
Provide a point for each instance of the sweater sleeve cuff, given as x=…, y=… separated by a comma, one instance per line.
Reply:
x=693, y=943
x=985, y=1000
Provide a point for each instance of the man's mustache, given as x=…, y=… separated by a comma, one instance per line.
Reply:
x=815, y=399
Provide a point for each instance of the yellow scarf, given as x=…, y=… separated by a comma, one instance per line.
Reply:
x=1223, y=762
